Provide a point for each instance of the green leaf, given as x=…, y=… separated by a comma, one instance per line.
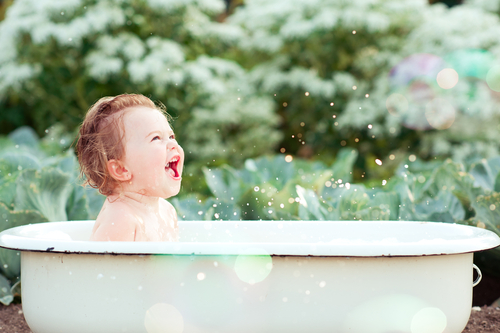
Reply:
x=224, y=183
x=95, y=201
x=9, y=259
x=14, y=161
x=487, y=208
x=8, y=189
x=77, y=206
x=444, y=208
x=497, y=183
x=388, y=202
x=26, y=136
x=310, y=207
x=46, y=191
x=6, y=296
x=485, y=173
x=227, y=211
x=191, y=209
x=343, y=166
x=274, y=170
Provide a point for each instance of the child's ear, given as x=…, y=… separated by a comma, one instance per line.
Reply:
x=118, y=171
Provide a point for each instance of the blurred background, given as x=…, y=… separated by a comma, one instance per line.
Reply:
x=286, y=109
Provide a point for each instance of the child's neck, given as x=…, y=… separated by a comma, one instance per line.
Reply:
x=137, y=198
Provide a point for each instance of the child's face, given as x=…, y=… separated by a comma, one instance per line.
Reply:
x=152, y=155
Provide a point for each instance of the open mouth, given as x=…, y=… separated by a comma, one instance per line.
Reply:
x=171, y=167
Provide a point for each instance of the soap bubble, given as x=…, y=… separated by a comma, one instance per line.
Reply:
x=471, y=62
x=420, y=66
x=493, y=78
x=440, y=113
x=396, y=104
x=447, y=78
x=429, y=320
x=163, y=318
x=389, y=313
x=253, y=267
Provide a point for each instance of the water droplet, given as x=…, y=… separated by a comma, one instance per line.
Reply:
x=200, y=212
x=492, y=207
x=288, y=158
x=378, y=161
x=322, y=284
x=99, y=276
x=285, y=299
x=256, y=189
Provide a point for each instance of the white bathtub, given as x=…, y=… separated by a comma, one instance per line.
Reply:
x=237, y=277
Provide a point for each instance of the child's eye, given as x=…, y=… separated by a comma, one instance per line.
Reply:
x=156, y=138
x=172, y=137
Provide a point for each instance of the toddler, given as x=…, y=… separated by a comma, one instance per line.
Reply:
x=128, y=151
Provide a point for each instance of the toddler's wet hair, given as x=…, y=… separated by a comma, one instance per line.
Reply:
x=101, y=138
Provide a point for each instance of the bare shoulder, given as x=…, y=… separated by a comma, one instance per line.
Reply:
x=169, y=210
x=116, y=222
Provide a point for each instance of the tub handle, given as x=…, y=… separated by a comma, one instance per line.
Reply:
x=479, y=275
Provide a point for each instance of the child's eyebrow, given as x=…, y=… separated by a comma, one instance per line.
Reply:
x=153, y=133
x=159, y=132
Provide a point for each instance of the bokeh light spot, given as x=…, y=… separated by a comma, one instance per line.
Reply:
x=447, y=78
x=253, y=268
x=428, y=320
x=163, y=318
x=493, y=78
x=440, y=113
x=396, y=104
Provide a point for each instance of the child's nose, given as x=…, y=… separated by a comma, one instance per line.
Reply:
x=172, y=144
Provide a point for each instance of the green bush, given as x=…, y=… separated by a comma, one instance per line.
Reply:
x=377, y=63
x=310, y=77
x=58, y=58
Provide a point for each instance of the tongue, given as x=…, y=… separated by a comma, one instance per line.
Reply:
x=170, y=171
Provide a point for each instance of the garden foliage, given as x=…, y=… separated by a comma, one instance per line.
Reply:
x=270, y=188
x=344, y=83
x=307, y=76
x=59, y=57
x=38, y=185
x=363, y=74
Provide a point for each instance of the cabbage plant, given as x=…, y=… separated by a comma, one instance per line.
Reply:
x=37, y=186
x=279, y=188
